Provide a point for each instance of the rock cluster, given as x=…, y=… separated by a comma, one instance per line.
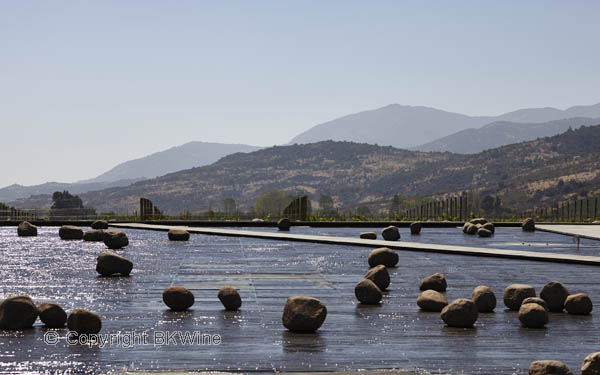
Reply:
x=479, y=226
x=303, y=314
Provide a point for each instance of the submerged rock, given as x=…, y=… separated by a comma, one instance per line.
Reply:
x=303, y=314
x=230, y=298
x=367, y=292
x=384, y=256
x=17, y=313
x=431, y=300
x=460, y=313
x=52, y=315
x=380, y=276
x=436, y=282
x=70, y=232
x=84, y=322
x=178, y=235
x=390, y=233
x=515, y=294
x=178, y=298
x=26, y=229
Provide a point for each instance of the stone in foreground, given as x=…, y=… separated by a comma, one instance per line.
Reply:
x=284, y=224
x=178, y=235
x=303, y=314
x=100, y=224
x=17, y=313
x=230, y=298
x=528, y=225
x=591, y=364
x=52, y=315
x=533, y=315
x=415, y=228
x=482, y=232
x=484, y=298
x=537, y=300
x=579, y=304
x=84, y=322
x=430, y=300
x=548, y=367
x=367, y=292
x=26, y=229
x=390, y=233
x=555, y=294
x=384, y=256
x=470, y=228
x=94, y=235
x=490, y=227
x=460, y=313
x=70, y=232
x=178, y=298
x=115, y=239
x=515, y=294
x=110, y=264
x=368, y=235
x=437, y=282
x=380, y=276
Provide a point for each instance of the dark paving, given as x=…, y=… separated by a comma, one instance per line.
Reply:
x=395, y=335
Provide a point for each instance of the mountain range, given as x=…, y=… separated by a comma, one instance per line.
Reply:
x=547, y=169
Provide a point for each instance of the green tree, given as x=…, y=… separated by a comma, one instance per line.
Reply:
x=272, y=203
x=326, y=205
x=229, y=206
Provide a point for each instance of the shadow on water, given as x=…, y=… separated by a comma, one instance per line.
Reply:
x=294, y=342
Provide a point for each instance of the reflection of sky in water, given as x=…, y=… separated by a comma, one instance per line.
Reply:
x=393, y=335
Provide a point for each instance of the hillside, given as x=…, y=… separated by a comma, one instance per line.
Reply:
x=356, y=174
x=500, y=133
x=407, y=126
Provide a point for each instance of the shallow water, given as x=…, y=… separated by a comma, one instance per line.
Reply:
x=393, y=335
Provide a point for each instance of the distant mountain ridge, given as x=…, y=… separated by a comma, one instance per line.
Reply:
x=500, y=133
x=549, y=169
x=409, y=126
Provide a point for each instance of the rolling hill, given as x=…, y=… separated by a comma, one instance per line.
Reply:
x=355, y=174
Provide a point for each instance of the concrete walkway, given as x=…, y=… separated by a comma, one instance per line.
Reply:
x=591, y=232
x=397, y=245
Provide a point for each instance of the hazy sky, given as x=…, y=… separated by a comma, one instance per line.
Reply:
x=85, y=85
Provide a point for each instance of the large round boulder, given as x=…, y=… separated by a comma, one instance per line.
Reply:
x=533, y=315
x=26, y=229
x=482, y=232
x=368, y=235
x=461, y=312
x=555, y=294
x=94, y=235
x=484, y=298
x=84, y=322
x=115, y=239
x=52, y=315
x=470, y=228
x=178, y=235
x=537, y=300
x=528, y=225
x=437, y=282
x=110, y=264
x=284, y=224
x=390, y=233
x=303, y=314
x=100, y=224
x=367, y=292
x=579, y=304
x=548, y=367
x=490, y=227
x=384, y=256
x=515, y=294
x=178, y=298
x=380, y=276
x=230, y=298
x=591, y=364
x=430, y=300
x=70, y=232
x=17, y=312
x=415, y=227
